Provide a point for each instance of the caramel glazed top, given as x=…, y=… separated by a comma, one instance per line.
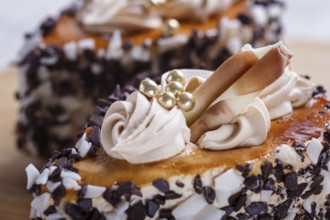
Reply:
x=68, y=29
x=300, y=126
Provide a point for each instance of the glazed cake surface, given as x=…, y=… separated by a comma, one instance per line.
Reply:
x=286, y=177
x=63, y=69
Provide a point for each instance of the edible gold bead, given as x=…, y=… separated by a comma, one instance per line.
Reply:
x=148, y=88
x=175, y=87
x=171, y=26
x=175, y=76
x=167, y=100
x=186, y=101
x=150, y=4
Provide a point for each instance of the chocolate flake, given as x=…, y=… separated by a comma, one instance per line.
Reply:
x=50, y=210
x=198, y=185
x=74, y=211
x=291, y=181
x=85, y=204
x=253, y=183
x=94, y=214
x=209, y=194
x=266, y=170
x=95, y=136
x=245, y=170
x=179, y=184
x=128, y=189
x=256, y=208
x=166, y=213
x=152, y=208
x=170, y=195
x=281, y=211
x=58, y=193
x=136, y=212
x=55, y=176
x=161, y=184
x=159, y=199
x=111, y=196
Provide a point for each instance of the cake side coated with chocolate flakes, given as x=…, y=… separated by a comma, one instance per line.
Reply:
x=62, y=75
x=285, y=183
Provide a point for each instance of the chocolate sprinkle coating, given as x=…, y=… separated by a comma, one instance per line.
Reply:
x=111, y=196
x=253, y=183
x=281, y=211
x=170, y=195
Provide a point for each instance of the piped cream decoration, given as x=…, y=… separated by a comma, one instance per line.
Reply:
x=104, y=16
x=142, y=131
x=199, y=10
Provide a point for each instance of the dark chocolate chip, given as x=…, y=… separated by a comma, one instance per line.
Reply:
x=166, y=213
x=253, y=183
x=111, y=196
x=245, y=19
x=136, y=212
x=55, y=155
x=298, y=192
x=228, y=210
x=74, y=211
x=170, y=195
x=198, y=185
x=281, y=211
x=266, y=169
x=152, y=208
x=256, y=208
x=55, y=176
x=95, y=136
x=58, y=193
x=94, y=214
x=159, y=199
x=179, y=184
x=245, y=169
x=96, y=120
x=209, y=194
x=85, y=204
x=128, y=189
x=50, y=210
x=291, y=181
x=61, y=162
x=82, y=191
x=161, y=184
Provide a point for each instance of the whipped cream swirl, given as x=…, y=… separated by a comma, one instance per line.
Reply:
x=142, y=131
x=105, y=16
x=199, y=10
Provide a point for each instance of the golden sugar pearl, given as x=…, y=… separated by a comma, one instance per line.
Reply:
x=186, y=101
x=175, y=76
x=150, y=4
x=175, y=87
x=171, y=26
x=167, y=100
x=149, y=88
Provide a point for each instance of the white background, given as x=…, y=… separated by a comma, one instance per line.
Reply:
x=305, y=20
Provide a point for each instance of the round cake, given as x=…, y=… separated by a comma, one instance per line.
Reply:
x=82, y=55
x=247, y=141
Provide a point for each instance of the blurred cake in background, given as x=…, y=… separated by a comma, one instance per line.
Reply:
x=96, y=44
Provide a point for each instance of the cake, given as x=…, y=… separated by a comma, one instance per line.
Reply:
x=247, y=141
x=93, y=46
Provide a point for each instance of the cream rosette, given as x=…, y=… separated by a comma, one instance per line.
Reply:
x=141, y=131
x=102, y=16
x=199, y=10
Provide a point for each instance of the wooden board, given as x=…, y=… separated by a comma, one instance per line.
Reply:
x=311, y=59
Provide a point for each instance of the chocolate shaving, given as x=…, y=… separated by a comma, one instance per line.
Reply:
x=161, y=184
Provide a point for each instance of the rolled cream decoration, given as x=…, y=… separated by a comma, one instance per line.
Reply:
x=199, y=10
x=141, y=131
x=288, y=92
x=105, y=16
